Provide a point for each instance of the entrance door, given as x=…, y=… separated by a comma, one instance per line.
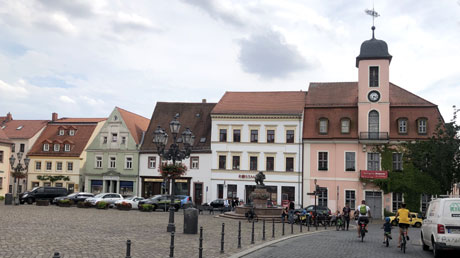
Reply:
x=374, y=201
x=198, y=193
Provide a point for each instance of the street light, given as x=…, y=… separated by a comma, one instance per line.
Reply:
x=18, y=172
x=174, y=153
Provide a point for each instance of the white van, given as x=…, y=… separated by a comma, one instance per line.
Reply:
x=441, y=227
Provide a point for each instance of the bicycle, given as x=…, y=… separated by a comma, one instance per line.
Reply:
x=387, y=238
x=362, y=231
x=339, y=224
x=252, y=216
x=403, y=240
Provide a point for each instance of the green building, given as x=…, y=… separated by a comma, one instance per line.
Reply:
x=113, y=156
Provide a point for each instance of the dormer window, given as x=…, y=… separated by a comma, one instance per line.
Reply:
x=57, y=147
x=67, y=147
x=61, y=132
x=115, y=118
x=323, y=123
x=114, y=137
x=345, y=125
x=71, y=132
x=19, y=127
x=46, y=147
x=402, y=125
x=373, y=76
x=421, y=125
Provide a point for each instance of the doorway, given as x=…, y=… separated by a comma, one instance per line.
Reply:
x=374, y=201
x=198, y=193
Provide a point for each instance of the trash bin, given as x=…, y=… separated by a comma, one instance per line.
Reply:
x=191, y=221
x=8, y=199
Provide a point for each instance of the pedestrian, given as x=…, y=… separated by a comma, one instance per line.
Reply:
x=226, y=204
x=291, y=212
x=284, y=214
x=346, y=214
x=233, y=204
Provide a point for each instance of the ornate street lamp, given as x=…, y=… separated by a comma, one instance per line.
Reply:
x=19, y=171
x=174, y=153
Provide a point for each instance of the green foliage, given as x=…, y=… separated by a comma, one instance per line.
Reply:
x=2, y=198
x=145, y=207
x=53, y=179
x=102, y=205
x=170, y=170
x=65, y=201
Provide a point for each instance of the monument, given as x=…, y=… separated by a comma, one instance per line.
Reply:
x=260, y=195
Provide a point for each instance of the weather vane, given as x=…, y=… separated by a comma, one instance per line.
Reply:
x=374, y=15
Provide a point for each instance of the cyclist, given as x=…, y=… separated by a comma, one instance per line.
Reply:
x=364, y=214
x=386, y=230
x=404, y=222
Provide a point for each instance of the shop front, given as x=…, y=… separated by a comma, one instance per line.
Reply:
x=152, y=186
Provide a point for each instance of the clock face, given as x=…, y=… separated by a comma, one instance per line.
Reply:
x=373, y=96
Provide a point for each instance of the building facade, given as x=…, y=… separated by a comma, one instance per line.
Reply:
x=113, y=156
x=5, y=153
x=60, y=152
x=197, y=180
x=258, y=131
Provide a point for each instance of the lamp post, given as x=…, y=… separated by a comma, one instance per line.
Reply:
x=19, y=171
x=174, y=153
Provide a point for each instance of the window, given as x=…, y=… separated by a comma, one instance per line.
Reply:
x=58, y=166
x=323, y=126
x=421, y=125
x=397, y=162
x=58, y=184
x=112, y=162
x=128, y=162
x=350, y=198
x=114, y=137
x=223, y=135
x=373, y=161
x=322, y=197
x=270, y=164
x=35, y=184
x=71, y=132
x=270, y=136
x=46, y=147
x=253, y=163
x=350, y=161
x=98, y=161
x=237, y=135
x=222, y=161
x=22, y=147
x=397, y=201
x=254, y=135
x=152, y=162
x=373, y=76
x=69, y=166
x=322, y=160
x=49, y=165
x=373, y=125
x=231, y=191
x=38, y=165
x=402, y=126
x=123, y=140
x=194, y=162
x=46, y=184
x=220, y=191
x=345, y=125
x=1, y=182
x=289, y=164
x=115, y=118
x=61, y=131
x=1, y=156
x=67, y=147
x=57, y=147
x=13, y=147
x=104, y=139
x=290, y=136
x=236, y=163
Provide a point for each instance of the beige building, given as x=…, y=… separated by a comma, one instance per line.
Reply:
x=5, y=152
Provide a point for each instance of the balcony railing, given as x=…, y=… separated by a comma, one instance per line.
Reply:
x=370, y=136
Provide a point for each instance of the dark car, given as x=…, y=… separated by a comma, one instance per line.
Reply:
x=162, y=202
x=217, y=203
x=320, y=209
x=74, y=197
x=42, y=192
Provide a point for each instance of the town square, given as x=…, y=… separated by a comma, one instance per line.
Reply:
x=229, y=128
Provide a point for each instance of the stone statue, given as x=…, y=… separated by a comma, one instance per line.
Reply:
x=260, y=179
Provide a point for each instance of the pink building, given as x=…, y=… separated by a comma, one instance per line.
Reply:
x=344, y=121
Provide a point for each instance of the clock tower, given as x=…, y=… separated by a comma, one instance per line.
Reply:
x=373, y=65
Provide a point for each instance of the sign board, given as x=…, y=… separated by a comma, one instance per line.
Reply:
x=374, y=174
x=111, y=178
x=246, y=176
x=311, y=193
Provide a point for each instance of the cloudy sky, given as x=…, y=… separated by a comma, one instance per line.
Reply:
x=81, y=58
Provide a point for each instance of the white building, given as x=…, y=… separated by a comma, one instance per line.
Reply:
x=258, y=131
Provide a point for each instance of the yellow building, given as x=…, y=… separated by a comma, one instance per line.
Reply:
x=5, y=153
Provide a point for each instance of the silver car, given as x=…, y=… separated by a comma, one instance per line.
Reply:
x=109, y=198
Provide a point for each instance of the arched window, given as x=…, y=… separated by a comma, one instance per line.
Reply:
x=373, y=124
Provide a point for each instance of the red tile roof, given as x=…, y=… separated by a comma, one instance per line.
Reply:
x=136, y=124
x=4, y=138
x=261, y=103
x=23, y=129
x=79, y=120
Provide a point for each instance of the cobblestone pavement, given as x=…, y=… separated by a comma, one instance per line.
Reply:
x=37, y=231
x=345, y=244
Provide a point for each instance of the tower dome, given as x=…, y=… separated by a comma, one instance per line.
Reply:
x=373, y=49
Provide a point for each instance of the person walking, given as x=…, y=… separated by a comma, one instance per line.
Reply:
x=346, y=214
x=291, y=212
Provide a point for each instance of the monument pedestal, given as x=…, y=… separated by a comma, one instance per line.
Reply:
x=259, y=197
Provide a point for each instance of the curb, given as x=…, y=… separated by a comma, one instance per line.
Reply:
x=256, y=248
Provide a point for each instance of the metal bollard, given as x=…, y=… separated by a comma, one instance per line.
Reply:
x=128, y=249
x=200, y=248
x=300, y=226
x=222, y=239
x=316, y=223
x=325, y=224
x=283, y=229
x=171, y=247
x=252, y=233
x=239, y=234
x=263, y=230
x=273, y=229
x=56, y=255
x=292, y=228
x=308, y=225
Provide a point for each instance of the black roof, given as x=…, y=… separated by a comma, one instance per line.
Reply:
x=373, y=49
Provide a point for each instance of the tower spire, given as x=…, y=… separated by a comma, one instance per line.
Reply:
x=374, y=15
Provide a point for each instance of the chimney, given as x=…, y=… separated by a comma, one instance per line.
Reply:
x=9, y=117
x=203, y=101
x=54, y=117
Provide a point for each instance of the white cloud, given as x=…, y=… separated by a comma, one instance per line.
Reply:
x=8, y=91
x=66, y=99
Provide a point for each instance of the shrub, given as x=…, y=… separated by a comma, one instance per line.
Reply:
x=82, y=204
x=102, y=205
x=387, y=213
x=65, y=201
x=2, y=198
x=124, y=206
x=145, y=207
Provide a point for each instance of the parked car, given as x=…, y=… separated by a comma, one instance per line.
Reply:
x=441, y=227
x=42, y=192
x=217, y=203
x=184, y=199
x=74, y=197
x=161, y=202
x=320, y=209
x=416, y=220
x=133, y=200
x=109, y=198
